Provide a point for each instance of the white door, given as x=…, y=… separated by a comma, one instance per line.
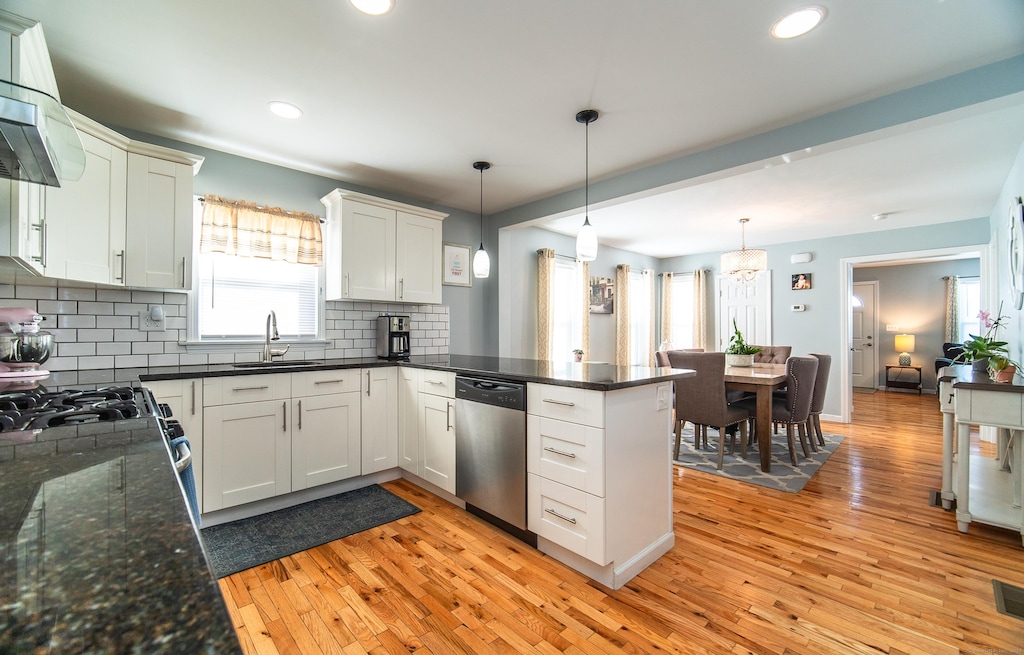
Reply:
x=863, y=353
x=750, y=304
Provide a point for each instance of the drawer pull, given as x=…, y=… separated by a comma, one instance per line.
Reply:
x=250, y=388
x=434, y=381
x=564, y=518
x=319, y=382
x=560, y=452
x=559, y=402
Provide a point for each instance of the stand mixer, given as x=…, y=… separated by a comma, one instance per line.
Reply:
x=23, y=346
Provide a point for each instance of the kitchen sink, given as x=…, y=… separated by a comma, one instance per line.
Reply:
x=280, y=364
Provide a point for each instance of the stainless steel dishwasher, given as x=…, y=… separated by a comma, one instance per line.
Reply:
x=490, y=451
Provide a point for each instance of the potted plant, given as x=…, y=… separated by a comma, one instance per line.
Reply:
x=981, y=350
x=1002, y=368
x=739, y=352
x=578, y=354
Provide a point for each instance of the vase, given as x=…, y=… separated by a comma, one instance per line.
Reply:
x=980, y=365
x=1005, y=375
x=739, y=360
x=578, y=356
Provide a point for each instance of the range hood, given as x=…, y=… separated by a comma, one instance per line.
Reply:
x=38, y=142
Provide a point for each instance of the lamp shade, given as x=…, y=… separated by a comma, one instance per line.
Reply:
x=586, y=242
x=745, y=263
x=905, y=346
x=481, y=263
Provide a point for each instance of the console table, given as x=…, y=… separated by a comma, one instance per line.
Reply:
x=903, y=384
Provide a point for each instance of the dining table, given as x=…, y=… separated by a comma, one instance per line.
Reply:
x=761, y=380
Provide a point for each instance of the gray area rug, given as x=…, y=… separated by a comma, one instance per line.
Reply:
x=784, y=476
x=239, y=545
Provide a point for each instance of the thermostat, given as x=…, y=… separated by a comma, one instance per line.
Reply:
x=798, y=308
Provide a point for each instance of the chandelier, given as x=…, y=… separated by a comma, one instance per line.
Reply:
x=744, y=264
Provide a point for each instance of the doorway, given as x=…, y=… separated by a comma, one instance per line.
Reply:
x=749, y=303
x=863, y=353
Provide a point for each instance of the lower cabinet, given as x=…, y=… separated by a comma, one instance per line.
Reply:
x=426, y=425
x=325, y=439
x=185, y=398
x=408, y=420
x=379, y=402
x=437, y=430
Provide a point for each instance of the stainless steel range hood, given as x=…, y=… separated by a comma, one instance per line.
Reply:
x=38, y=142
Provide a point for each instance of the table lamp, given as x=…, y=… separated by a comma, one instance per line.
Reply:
x=905, y=346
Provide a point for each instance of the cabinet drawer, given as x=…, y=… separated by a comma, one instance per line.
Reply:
x=999, y=408
x=945, y=396
x=321, y=383
x=438, y=383
x=583, y=406
x=568, y=517
x=569, y=453
x=246, y=389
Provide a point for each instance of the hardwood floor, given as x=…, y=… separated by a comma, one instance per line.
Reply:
x=857, y=562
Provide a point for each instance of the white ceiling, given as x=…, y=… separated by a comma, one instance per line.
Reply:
x=405, y=103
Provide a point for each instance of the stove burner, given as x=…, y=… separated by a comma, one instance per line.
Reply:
x=37, y=409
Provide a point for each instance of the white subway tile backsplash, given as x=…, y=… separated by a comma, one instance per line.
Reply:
x=131, y=361
x=22, y=291
x=114, y=295
x=74, y=293
x=96, y=335
x=105, y=308
x=156, y=297
x=102, y=361
x=57, y=307
x=147, y=348
x=114, y=322
x=114, y=348
x=163, y=360
x=76, y=349
x=76, y=321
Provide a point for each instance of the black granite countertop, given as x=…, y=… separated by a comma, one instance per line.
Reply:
x=98, y=553
x=585, y=375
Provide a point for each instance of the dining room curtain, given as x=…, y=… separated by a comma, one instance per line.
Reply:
x=951, y=333
x=584, y=270
x=700, y=309
x=666, y=310
x=651, y=296
x=622, y=315
x=545, y=274
x=245, y=229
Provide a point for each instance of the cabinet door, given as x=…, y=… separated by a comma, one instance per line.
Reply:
x=246, y=452
x=437, y=431
x=418, y=261
x=408, y=420
x=380, y=419
x=367, y=252
x=185, y=398
x=325, y=439
x=159, y=223
x=85, y=219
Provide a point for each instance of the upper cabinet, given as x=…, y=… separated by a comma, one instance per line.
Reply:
x=376, y=249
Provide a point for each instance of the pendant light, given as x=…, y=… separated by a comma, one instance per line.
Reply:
x=744, y=265
x=481, y=262
x=586, y=238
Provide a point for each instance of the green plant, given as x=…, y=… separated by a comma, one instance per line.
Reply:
x=577, y=351
x=737, y=346
x=987, y=346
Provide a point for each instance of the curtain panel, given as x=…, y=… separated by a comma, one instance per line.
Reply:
x=951, y=334
x=584, y=268
x=666, y=309
x=545, y=273
x=244, y=229
x=622, y=315
x=652, y=344
x=700, y=309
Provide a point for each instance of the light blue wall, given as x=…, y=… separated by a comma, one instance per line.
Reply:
x=913, y=297
x=1012, y=190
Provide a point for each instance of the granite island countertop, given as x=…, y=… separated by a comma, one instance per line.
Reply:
x=98, y=552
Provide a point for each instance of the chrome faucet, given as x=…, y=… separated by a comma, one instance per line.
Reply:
x=270, y=353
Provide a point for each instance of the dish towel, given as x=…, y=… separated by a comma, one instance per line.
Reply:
x=188, y=479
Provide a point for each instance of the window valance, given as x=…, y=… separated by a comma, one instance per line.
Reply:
x=245, y=229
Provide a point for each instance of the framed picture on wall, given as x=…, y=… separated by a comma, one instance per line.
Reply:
x=801, y=281
x=602, y=295
x=458, y=271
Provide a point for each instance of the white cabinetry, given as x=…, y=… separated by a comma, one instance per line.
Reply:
x=185, y=398
x=599, y=478
x=436, y=425
x=408, y=420
x=380, y=419
x=325, y=427
x=247, y=445
x=376, y=249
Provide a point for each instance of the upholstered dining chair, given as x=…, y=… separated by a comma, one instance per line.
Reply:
x=818, y=399
x=794, y=410
x=700, y=399
x=661, y=357
x=773, y=354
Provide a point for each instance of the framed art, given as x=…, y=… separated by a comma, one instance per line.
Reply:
x=458, y=268
x=602, y=295
x=801, y=281
x=1016, y=252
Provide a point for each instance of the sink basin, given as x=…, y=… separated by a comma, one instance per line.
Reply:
x=279, y=364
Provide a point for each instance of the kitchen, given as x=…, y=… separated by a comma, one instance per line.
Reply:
x=466, y=306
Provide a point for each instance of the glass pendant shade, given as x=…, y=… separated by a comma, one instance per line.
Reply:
x=744, y=264
x=586, y=242
x=481, y=263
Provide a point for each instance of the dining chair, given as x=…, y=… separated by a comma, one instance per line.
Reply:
x=818, y=398
x=773, y=354
x=795, y=409
x=700, y=399
x=664, y=358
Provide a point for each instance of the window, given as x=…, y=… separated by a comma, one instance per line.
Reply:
x=682, y=310
x=640, y=294
x=234, y=295
x=567, y=302
x=969, y=304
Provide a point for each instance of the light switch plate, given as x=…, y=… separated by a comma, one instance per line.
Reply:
x=147, y=324
x=892, y=328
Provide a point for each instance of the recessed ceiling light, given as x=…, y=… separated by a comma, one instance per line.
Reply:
x=880, y=217
x=284, y=109
x=373, y=7
x=798, y=22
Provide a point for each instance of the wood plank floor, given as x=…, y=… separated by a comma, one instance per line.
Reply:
x=858, y=562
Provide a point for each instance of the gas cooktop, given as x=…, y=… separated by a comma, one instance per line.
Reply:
x=36, y=409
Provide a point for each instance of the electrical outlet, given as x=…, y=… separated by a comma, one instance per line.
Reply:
x=147, y=324
x=891, y=328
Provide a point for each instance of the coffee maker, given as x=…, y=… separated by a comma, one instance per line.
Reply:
x=393, y=336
